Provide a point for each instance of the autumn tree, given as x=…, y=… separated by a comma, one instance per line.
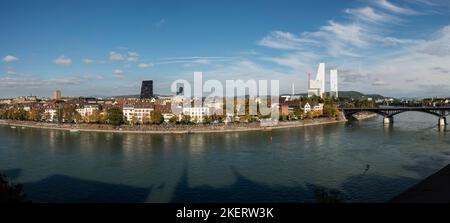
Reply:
x=173, y=120
x=330, y=111
x=146, y=119
x=77, y=118
x=35, y=114
x=156, y=117
x=68, y=113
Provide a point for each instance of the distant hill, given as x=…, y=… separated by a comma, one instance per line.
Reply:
x=344, y=94
x=128, y=96
x=349, y=94
x=358, y=95
x=135, y=96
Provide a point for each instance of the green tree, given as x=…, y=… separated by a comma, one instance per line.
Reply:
x=156, y=117
x=174, y=120
x=60, y=115
x=2, y=114
x=115, y=116
x=185, y=119
x=283, y=118
x=207, y=119
x=298, y=112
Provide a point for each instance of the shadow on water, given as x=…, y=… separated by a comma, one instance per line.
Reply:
x=359, y=188
x=242, y=190
x=59, y=188
x=368, y=188
x=12, y=174
x=425, y=166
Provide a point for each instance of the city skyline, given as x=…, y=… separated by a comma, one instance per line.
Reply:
x=88, y=49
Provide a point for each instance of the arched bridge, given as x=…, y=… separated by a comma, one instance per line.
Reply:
x=389, y=112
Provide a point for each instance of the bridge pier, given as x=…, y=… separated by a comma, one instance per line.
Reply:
x=442, y=121
x=388, y=120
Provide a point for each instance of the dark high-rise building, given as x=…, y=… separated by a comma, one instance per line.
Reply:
x=147, y=89
x=180, y=91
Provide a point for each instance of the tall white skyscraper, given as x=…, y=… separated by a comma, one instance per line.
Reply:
x=317, y=86
x=334, y=83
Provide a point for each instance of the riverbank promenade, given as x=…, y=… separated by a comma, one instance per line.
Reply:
x=172, y=129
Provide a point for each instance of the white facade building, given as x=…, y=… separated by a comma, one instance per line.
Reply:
x=307, y=108
x=51, y=112
x=139, y=113
x=334, y=83
x=87, y=110
x=196, y=113
x=317, y=86
x=318, y=108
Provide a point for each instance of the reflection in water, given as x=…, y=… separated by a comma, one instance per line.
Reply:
x=277, y=165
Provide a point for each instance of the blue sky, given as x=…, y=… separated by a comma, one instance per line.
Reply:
x=393, y=47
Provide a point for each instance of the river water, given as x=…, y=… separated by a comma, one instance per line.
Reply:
x=364, y=161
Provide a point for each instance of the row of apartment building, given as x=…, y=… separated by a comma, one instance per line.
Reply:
x=139, y=109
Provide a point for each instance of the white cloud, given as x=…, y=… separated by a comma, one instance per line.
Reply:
x=192, y=60
x=385, y=4
x=298, y=61
x=10, y=58
x=439, y=44
x=378, y=83
x=130, y=56
x=62, y=60
x=32, y=82
x=370, y=59
x=116, y=56
x=391, y=41
x=92, y=77
x=9, y=72
x=284, y=40
x=368, y=14
x=202, y=61
x=341, y=39
x=145, y=65
x=88, y=61
x=421, y=69
x=364, y=33
x=352, y=34
x=119, y=73
x=133, y=56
